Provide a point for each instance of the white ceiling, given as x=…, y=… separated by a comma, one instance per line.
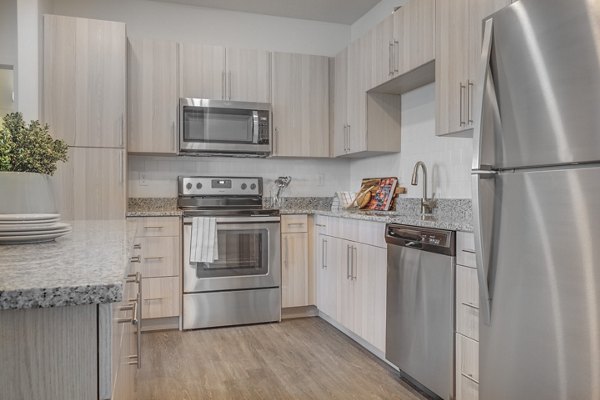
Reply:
x=336, y=11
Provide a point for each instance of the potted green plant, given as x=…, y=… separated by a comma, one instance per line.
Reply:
x=28, y=157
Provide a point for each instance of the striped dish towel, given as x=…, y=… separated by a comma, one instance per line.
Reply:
x=204, y=246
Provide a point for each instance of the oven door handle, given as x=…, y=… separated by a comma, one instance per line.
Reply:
x=242, y=220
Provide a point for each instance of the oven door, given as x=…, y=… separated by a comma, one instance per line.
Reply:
x=249, y=256
x=228, y=127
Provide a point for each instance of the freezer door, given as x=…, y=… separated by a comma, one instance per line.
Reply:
x=544, y=278
x=545, y=69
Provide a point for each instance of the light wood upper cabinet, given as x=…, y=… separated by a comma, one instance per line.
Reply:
x=202, y=71
x=458, y=49
x=414, y=35
x=382, y=45
x=248, y=75
x=84, y=85
x=217, y=73
x=91, y=185
x=359, y=80
x=339, y=127
x=153, y=96
x=300, y=99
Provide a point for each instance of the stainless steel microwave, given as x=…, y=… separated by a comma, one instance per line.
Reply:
x=216, y=127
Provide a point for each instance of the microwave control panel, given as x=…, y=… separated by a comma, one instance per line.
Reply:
x=263, y=127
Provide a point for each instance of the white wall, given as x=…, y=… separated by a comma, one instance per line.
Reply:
x=186, y=23
x=448, y=159
x=8, y=32
x=374, y=16
x=157, y=176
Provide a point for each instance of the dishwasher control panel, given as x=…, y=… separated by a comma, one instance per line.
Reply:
x=428, y=239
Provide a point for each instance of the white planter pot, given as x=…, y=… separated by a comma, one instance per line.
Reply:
x=26, y=193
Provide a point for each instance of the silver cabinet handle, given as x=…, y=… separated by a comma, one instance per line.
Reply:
x=470, y=305
x=136, y=259
x=462, y=100
x=223, y=85
x=174, y=135
x=135, y=278
x=137, y=246
x=295, y=224
x=391, y=58
x=285, y=248
x=276, y=141
x=348, y=275
x=470, y=85
x=129, y=307
x=468, y=251
x=396, y=56
x=229, y=85
x=121, y=169
x=469, y=377
x=349, y=147
x=324, y=255
x=354, y=266
x=153, y=258
x=153, y=227
x=321, y=225
x=122, y=138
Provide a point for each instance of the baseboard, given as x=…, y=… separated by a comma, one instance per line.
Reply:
x=299, y=312
x=160, y=324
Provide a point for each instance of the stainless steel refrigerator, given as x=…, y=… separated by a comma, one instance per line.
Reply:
x=536, y=201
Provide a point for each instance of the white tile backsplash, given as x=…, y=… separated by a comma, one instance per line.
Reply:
x=448, y=160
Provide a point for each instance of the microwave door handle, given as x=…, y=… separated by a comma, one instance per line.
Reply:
x=255, y=127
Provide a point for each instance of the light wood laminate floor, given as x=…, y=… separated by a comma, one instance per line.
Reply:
x=295, y=359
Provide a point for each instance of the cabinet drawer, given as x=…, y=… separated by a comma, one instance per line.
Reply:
x=159, y=256
x=466, y=389
x=467, y=321
x=156, y=226
x=467, y=302
x=366, y=232
x=467, y=357
x=465, y=249
x=160, y=297
x=294, y=223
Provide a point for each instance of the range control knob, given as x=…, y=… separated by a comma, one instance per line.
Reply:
x=244, y=186
x=188, y=186
x=198, y=186
x=253, y=186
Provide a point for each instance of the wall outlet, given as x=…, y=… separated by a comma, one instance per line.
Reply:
x=142, y=179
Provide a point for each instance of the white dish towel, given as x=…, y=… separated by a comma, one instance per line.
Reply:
x=204, y=246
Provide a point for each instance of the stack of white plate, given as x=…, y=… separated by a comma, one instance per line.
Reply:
x=31, y=228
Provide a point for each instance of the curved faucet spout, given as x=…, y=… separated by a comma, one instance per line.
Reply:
x=427, y=205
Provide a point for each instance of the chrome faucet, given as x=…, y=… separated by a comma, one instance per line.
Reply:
x=427, y=205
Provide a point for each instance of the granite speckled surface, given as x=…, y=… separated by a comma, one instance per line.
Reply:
x=152, y=207
x=451, y=214
x=87, y=266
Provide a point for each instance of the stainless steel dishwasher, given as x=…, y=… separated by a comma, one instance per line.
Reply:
x=420, y=306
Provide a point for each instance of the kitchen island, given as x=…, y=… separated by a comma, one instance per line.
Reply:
x=60, y=303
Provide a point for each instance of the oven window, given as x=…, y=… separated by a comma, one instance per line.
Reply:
x=217, y=125
x=241, y=253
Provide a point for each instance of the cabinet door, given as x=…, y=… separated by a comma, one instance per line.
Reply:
x=202, y=71
x=153, y=96
x=478, y=10
x=382, y=44
x=451, y=65
x=294, y=272
x=84, y=90
x=347, y=290
x=300, y=105
x=327, y=264
x=160, y=297
x=370, y=276
x=340, y=100
x=358, y=80
x=414, y=35
x=91, y=185
x=248, y=75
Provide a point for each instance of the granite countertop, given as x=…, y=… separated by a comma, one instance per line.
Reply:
x=87, y=266
x=451, y=214
x=452, y=223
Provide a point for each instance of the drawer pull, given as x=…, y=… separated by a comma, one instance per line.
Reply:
x=470, y=305
x=295, y=223
x=153, y=298
x=135, y=259
x=153, y=227
x=137, y=246
x=153, y=258
x=321, y=225
x=469, y=377
x=129, y=307
x=468, y=251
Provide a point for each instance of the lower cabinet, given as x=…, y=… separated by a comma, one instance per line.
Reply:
x=157, y=256
x=294, y=261
x=467, y=320
x=351, y=284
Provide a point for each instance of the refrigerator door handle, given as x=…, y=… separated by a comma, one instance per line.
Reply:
x=483, y=185
x=484, y=71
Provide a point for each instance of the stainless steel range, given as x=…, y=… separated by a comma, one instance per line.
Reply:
x=242, y=285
